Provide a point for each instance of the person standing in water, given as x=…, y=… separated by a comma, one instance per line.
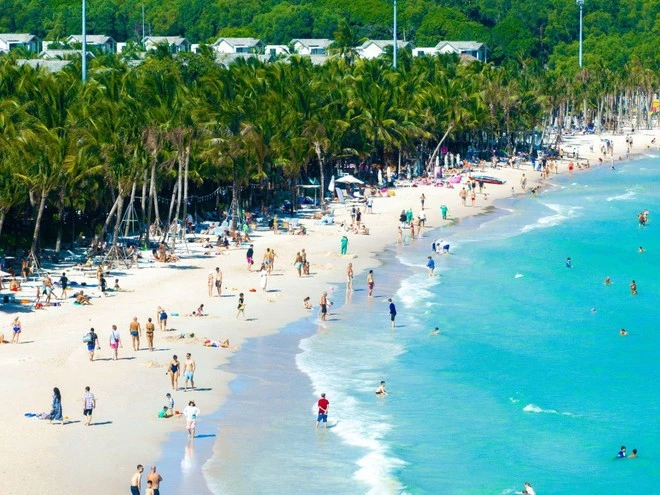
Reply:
x=323, y=405
x=430, y=264
x=349, y=278
x=324, y=306
x=392, y=312
x=633, y=288
x=381, y=389
x=370, y=282
x=569, y=263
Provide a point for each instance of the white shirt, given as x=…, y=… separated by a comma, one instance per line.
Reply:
x=191, y=412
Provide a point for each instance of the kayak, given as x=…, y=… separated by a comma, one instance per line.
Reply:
x=487, y=179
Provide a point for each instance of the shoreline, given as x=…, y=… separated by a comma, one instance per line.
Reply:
x=131, y=391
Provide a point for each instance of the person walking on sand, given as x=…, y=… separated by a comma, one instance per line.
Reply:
x=56, y=407
x=90, y=404
x=392, y=311
x=16, y=330
x=422, y=199
x=463, y=196
x=136, y=480
x=370, y=282
x=174, y=370
x=218, y=281
x=324, y=306
x=249, y=257
x=191, y=412
x=241, y=306
x=444, y=210
x=92, y=343
x=136, y=332
x=149, y=328
x=298, y=263
x=344, y=245
x=263, y=277
x=323, y=405
x=189, y=368
x=210, y=282
x=523, y=182
x=162, y=319
x=115, y=342
x=399, y=235
x=349, y=278
x=64, y=282
x=154, y=478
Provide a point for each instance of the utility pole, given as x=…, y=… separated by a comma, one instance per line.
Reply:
x=395, y=44
x=580, y=4
x=84, y=42
x=142, y=24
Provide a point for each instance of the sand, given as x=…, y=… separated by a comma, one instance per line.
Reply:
x=71, y=459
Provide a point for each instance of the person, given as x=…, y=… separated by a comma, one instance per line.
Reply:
x=435, y=331
x=218, y=281
x=136, y=332
x=149, y=328
x=528, y=490
x=170, y=401
x=633, y=455
x=307, y=303
x=115, y=342
x=344, y=245
x=323, y=405
x=154, y=478
x=90, y=404
x=56, y=407
x=370, y=282
x=622, y=452
x=623, y=332
x=641, y=250
x=149, y=490
x=370, y=204
x=210, y=282
x=92, y=343
x=16, y=329
x=381, y=389
x=136, y=480
x=174, y=370
x=422, y=199
x=117, y=288
x=324, y=306
x=633, y=288
x=249, y=257
x=162, y=319
x=298, y=263
x=14, y=285
x=263, y=277
x=241, y=306
x=463, y=196
x=523, y=182
x=189, y=368
x=392, y=311
x=608, y=281
x=199, y=311
x=399, y=235
x=64, y=282
x=569, y=264
x=444, y=210
x=349, y=278
x=81, y=297
x=430, y=264
x=104, y=285
x=191, y=412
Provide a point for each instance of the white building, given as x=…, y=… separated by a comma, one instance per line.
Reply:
x=375, y=48
x=473, y=48
x=100, y=42
x=238, y=45
x=176, y=44
x=10, y=41
x=275, y=50
x=311, y=46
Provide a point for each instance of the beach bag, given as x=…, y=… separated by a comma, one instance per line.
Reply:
x=87, y=339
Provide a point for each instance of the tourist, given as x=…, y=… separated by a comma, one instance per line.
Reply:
x=641, y=250
x=422, y=199
x=323, y=405
x=241, y=306
x=528, y=490
x=249, y=257
x=399, y=236
x=381, y=389
x=90, y=404
x=149, y=490
x=324, y=306
x=523, y=182
x=622, y=452
x=218, y=281
x=298, y=263
x=263, y=277
x=174, y=370
x=16, y=330
x=623, y=332
x=191, y=412
x=149, y=328
x=115, y=342
x=392, y=311
x=633, y=288
x=56, y=407
x=64, y=282
x=608, y=281
x=136, y=480
x=435, y=331
x=136, y=332
x=633, y=455
x=569, y=264
x=307, y=303
x=349, y=278
x=170, y=401
x=430, y=264
x=444, y=210
x=344, y=245
x=463, y=196
x=189, y=368
x=154, y=478
x=92, y=340
x=162, y=319
x=370, y=282
x=210, y=282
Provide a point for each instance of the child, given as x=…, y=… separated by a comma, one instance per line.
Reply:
x=241, y=306
x=150, y=490
x=117, y=288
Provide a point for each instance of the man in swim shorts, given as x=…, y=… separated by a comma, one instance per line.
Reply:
x=249, y=257
x=381, y=389
x=90, y=404
x=392, y=311
x=324, y=306
x=136, y=480
x=324, y=405
x=218, y=281
x=92, y=343
x=189, y=372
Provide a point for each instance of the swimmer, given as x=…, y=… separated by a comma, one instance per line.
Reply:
x=608, y=281
x=569, y=264
x=528, y=489
x=623, y=332
x=622, y=452
x=435, y=331
x=593, y=310
x=633, y=455
x=641, y=250
x=633, y=288
x=307, y=304
x=381, y=389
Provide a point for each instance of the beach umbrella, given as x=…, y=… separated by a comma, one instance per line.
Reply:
x=331, y=186
x=349, y=179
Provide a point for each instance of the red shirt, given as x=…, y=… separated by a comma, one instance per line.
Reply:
x=323, y=405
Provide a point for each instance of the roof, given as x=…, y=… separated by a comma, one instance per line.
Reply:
x=239, y=41
x=382, y=44
x=96, y=39
x=227, y=58
x=17, y=37
x=61, y=54
x=170, y=40
x=461, y=46
x=49, y=65
x=313, y=42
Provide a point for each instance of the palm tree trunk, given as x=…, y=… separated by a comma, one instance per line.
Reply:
x=120, y=211
x=130, y=205
x=175, y=189
x=317, y=148
x=109, y=217
x=143, y=200
x=3, y=214
x=437, y=148
x=37, y=223
x=60, y=224
x=186, y=164
x=179, y=186
x=234, y=198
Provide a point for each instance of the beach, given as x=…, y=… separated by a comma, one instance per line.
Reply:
x=131, y=391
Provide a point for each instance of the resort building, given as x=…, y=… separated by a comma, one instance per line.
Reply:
x=176, y=44
x=100, y=42
x=11, y=41
x=375, y=48
x=468, y=50
x=275, y=50
x=311, y=46
x=238, y=45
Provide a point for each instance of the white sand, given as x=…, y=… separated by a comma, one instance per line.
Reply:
x=72, y=459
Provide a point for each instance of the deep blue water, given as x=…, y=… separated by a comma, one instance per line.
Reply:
x=529, y=379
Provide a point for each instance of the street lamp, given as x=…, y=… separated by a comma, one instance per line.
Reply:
x=84, y=42
x=395, y=47
x=580, y=3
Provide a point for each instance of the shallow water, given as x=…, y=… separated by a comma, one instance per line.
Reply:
x=528, y=381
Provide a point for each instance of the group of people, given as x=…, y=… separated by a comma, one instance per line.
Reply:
x=153, y=481
x=56, y=413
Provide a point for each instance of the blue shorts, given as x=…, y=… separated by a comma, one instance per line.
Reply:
x=135, y=490
x=188, y=375
x=90, y=346
x=322, y=417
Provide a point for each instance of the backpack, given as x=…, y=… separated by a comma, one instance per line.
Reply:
x=87, y=339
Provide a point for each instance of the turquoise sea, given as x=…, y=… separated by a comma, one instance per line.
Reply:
x=529, y=379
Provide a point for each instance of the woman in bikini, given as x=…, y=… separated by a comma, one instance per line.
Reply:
x=16, y=327
x=162, y=319
x=136, y=331
x=174, y=369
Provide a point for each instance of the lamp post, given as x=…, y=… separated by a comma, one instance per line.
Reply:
x=395, y=44
x=580, y=3
x=84, y=42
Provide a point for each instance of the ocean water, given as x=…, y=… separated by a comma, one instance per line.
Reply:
x=529, y=379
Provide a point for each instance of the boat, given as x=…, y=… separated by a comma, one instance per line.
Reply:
x=487, y=179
